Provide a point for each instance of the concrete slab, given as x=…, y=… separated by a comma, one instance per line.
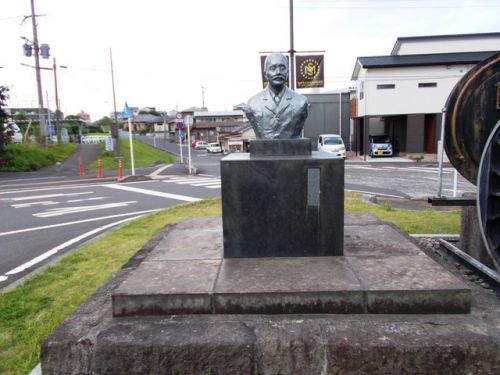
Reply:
x=382, y=272
x=377, y=240
x=173, y=287
x=409, y=284
x=287, y=286
x=360, y=218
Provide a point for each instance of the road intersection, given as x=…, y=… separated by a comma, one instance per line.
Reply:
x=44, y=216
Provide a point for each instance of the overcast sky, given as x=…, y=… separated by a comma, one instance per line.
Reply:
x=164, y=51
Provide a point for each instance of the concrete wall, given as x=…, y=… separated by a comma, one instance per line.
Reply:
x=407, y=97
x=324, y=116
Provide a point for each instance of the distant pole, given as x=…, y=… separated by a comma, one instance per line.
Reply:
x=131, y=143
x=165, y=131
x=292, y=51
x=203, y=97
x=115, y=132
x=43, y=124
x=188, y=121
x=48, y=112
x=58, y=129
x=440, y=154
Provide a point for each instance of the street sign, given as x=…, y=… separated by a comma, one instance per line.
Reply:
x=179, y=125
x=178, y=116
x=179, y=134
x=109, y=144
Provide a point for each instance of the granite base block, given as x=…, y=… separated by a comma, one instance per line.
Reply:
x=282, y=206
x=392, y=275
x=92, y=341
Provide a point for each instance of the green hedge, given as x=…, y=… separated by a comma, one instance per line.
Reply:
x=25, y=158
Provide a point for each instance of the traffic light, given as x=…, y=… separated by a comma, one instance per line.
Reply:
x=45, y=51
x=27, y=50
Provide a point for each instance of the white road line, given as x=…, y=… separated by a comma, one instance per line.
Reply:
x=63, y=187
x=86, y=199
x=64, y=245
x=213, y=187
x=194, y=182
x=187, y=180
x=368, y=168
x=154, y=193
x=75, y=222
x=42, y=203
x=71, y=210
x=159, y=170
x=46, y=196
x=207, y=184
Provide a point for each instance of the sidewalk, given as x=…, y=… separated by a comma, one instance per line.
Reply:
x=428, y=159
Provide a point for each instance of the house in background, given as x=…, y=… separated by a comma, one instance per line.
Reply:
x=403, y=94
x=208, y=124
x=238, y=139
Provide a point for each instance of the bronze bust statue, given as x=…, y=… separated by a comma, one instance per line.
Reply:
x=277, y=112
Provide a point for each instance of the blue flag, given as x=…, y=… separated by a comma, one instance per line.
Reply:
x=127, y=112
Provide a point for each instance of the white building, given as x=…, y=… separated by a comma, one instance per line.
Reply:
x=402, y=94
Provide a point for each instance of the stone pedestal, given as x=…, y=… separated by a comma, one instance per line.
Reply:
x=282, y=200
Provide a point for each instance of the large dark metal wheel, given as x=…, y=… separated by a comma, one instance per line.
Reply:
x=471, y=114
x=488, y=197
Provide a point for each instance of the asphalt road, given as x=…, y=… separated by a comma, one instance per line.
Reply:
x=42, y=222
x=392, y=177
x=50, y=213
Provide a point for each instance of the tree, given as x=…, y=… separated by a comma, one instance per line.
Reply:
x=4, y=137
x=105, y=123
x=21, y=120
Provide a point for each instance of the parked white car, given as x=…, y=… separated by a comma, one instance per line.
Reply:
x=214, y=147
x=201, y=145
x=331, y=143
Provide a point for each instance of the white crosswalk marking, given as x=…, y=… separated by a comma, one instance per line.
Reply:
x=71, y=210
x=208, y=182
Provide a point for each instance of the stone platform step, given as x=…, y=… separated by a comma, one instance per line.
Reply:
x=382, y=272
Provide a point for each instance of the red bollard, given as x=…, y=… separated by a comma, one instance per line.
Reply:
x=80, y=166
x=120, y=169
x=99, y=168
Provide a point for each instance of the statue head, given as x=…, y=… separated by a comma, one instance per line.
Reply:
x=276, y=71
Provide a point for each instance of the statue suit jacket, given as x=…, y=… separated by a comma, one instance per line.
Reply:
x=284, y=120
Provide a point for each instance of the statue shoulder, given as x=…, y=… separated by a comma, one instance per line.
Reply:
x=300, y=99
x=254, y=102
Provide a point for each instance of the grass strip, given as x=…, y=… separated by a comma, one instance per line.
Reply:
x=30, y=157
x=411, y=221
x=29, y=313
x=144, y=156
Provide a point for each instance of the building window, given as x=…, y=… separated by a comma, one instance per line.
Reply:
x=427, y=84
x=362, y=91
x=386, y=86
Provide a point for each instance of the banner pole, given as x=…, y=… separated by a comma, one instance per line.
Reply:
x=131, y=146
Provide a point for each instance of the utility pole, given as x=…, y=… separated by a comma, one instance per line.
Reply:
x=43, y=125
x=203, y=97
x=115, y=132
x=58, y=128
x=292, y=51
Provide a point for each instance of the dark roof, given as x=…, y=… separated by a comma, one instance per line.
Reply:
x=422, y=60
x=393, y=61
x=147, y=119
